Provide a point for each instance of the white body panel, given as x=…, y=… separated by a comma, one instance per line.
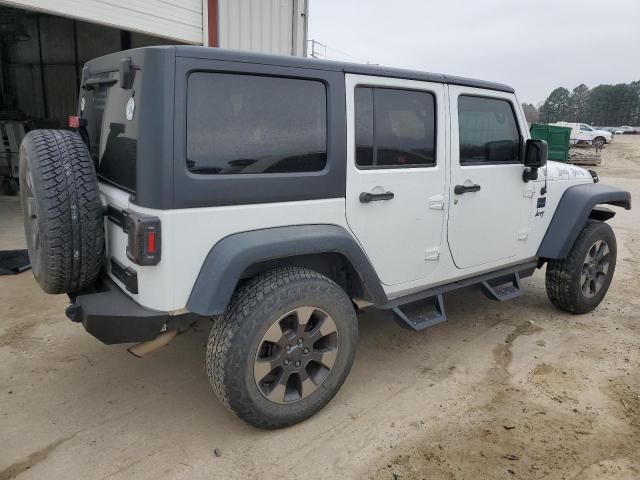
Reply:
x=175, y=19
x=266, y=26
x=402, y=237
x=490, y=225
x=504, y=226
x=189, y=234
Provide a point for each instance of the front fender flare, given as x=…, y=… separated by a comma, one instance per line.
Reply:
x=572, y=213
x=233, y=255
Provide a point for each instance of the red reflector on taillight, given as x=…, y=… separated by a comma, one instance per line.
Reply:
x=74, y=121
x=151, y=242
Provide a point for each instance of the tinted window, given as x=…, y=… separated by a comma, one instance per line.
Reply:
x=252, y=124
x=112, y=137
x=394, y=128
x=364, y=126
x=488, y=131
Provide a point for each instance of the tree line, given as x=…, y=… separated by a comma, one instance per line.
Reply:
x=604, y=105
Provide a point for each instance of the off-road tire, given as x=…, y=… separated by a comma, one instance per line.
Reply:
x=235, y=338
x=563, y=276
x=61, y=209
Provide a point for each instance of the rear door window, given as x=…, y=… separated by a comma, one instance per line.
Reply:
x=394, y=128
x=488, y=131
x=250, y=124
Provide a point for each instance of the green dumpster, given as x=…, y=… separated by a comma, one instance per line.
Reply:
x=556, y=137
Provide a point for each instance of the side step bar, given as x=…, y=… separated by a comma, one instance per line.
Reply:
x=503, y=288
x=418, y=315
x=425, y=309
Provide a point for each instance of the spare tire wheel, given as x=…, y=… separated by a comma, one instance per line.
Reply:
x=62, y=212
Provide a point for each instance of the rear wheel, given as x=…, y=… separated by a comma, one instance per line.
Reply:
x=61, y=210
x=284, y=347
x=599, y=142
x=579, y=282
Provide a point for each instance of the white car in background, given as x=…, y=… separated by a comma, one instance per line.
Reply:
x=581, y=132
x=601, y=136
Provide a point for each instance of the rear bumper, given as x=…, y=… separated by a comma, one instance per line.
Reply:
x=111, y=316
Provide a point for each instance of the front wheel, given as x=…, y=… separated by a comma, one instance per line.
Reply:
x=600, y=142
x=579, y=282
x=284, y=347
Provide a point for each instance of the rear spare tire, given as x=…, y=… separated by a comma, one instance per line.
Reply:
x=61, y=208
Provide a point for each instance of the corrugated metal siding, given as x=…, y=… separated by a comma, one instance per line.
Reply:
x=177, y=19
x=266, y=26
x=59, y=63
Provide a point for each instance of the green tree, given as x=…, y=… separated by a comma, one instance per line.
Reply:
x=579, y=103
x=530, y=112
x=557, y=107
x=610, y=105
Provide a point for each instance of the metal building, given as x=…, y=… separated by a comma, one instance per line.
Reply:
x=44, y=43
x=273, y=26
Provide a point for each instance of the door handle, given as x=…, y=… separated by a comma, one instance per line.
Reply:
x=460, y=189
x=366, y=197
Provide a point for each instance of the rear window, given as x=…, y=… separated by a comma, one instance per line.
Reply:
x=243, y=124
x=111, y=136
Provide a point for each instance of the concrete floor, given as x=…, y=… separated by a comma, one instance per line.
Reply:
x=514, y=390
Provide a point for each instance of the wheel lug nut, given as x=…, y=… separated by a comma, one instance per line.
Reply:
x=286, y=362
x=305, y=350
x=287, y=348
x=297, y=364
x=299, y=341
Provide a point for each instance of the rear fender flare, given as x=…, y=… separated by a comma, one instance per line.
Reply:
x=233, y=255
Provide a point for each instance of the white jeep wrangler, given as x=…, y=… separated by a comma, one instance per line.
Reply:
x=278, y=195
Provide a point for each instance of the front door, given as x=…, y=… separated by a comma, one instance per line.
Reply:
x=396, y=174
x=489, y=202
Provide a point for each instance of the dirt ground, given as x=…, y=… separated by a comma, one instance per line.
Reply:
x=500, y=391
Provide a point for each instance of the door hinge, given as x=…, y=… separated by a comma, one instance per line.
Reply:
x=528, y=193
x=523, y=235
x=437, y=202
x=432, y=254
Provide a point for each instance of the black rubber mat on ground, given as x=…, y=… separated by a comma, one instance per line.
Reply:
x=14, y=261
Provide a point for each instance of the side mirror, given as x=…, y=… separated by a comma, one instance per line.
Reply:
x=535, y=157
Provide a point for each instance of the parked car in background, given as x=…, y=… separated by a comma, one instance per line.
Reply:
x=581, y=133
x=625, y=130
x=602, y=136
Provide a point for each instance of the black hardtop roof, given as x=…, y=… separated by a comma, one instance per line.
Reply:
x=313, y=63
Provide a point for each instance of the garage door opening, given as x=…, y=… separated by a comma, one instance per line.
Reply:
x=41, y=58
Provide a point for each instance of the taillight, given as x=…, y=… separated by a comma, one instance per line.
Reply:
x=144, y=245
x=77, y=122
x=151, y=242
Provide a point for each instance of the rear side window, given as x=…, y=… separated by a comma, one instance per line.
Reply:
x=488, y=131
x=394, y=128
x=246, y=124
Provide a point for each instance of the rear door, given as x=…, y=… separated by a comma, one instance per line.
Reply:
x=396, y=174
x=489, y=202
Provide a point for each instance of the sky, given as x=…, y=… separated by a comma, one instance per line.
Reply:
x=534, y=46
